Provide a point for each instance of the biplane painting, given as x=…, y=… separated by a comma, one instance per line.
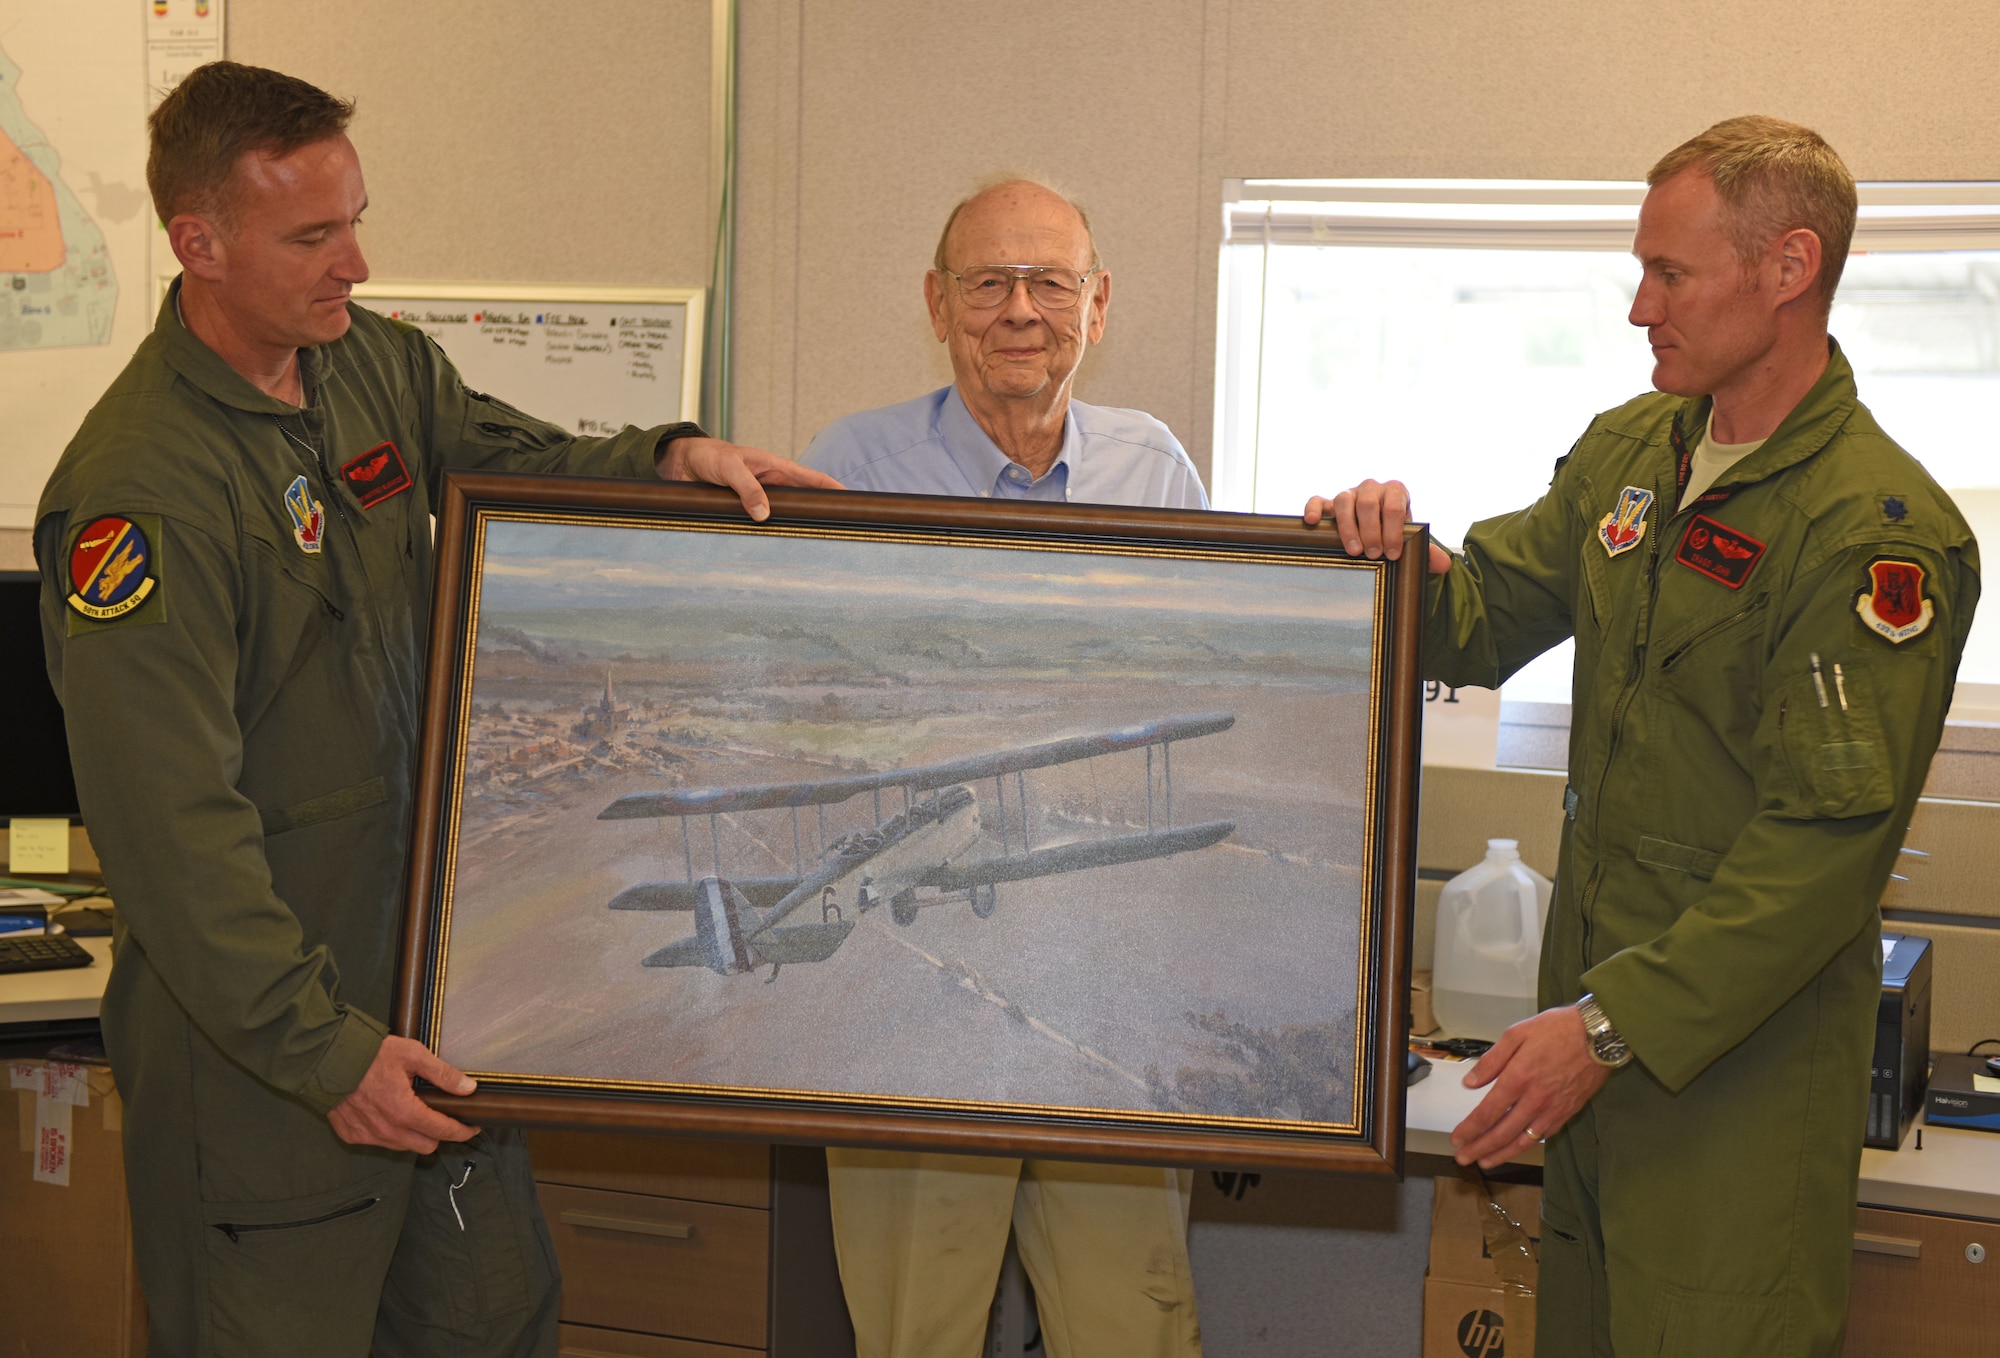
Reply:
x=914, y=822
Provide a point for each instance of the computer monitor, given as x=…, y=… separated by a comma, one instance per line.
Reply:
x=35, y=778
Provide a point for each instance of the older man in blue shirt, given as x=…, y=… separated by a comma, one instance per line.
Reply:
x=1018, y=294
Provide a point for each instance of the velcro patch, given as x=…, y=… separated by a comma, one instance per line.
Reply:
x=114, y=571
x=377, y=475
x=1892, y=605
x=1718, y=551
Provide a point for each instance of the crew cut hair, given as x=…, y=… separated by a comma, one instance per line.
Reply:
x=221, y=110
x=1773, y=177
x=1000, y=181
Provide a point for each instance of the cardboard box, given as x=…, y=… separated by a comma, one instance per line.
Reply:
x=1422, y=1020
x=1479, y=1290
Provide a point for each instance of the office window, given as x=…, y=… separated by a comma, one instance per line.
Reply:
x=1458, y=335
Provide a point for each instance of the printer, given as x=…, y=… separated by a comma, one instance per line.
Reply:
x=1902, y=1040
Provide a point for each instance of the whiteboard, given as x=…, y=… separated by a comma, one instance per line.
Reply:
x=592, y=360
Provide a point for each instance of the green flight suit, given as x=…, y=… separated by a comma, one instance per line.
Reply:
x=245, y=742
x=1729, y=831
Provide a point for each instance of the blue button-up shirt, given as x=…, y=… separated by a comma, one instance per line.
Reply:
x=933, y=446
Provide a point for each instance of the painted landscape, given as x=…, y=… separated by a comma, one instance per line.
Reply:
x=1160, y=914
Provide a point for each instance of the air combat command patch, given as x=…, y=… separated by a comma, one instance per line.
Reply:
x=111, y=568
x=308, y=517
x=1895, y=607
x=1621, y=529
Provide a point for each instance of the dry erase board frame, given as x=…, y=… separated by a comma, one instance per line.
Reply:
x=529, y=311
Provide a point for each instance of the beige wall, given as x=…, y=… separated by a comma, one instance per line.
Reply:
x=508, y=140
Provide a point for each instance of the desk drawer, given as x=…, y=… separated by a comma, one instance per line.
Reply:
x=734, y=1172
x=581, y=1341
x=668, y=1266
x=1917, y=1291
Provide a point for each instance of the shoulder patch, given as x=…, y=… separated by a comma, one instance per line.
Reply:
x=1718, y=551
x=376, y=475
x=114, y=570
x=1892, y=604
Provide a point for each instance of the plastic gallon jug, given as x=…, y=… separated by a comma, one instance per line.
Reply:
x=1489, y=944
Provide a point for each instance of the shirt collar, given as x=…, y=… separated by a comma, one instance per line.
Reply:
x=979, y=459
x=1813, y=422
x=207, y=371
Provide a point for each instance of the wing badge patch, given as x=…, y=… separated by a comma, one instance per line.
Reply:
x=1621, y=529
x=377, y=475
x=110, y=569
x=1718, y=551
x=308, y=517
x=1895, y=609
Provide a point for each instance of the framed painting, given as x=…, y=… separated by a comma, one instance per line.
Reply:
x=1054, y=830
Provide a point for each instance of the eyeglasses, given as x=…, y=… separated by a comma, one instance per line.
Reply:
x=989, y=285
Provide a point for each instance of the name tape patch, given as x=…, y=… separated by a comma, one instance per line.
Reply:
x=377, y=475
x=1892, y=605
x=110, y=569
x=1718, y=551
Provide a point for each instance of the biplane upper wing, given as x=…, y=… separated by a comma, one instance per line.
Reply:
x=923, y=778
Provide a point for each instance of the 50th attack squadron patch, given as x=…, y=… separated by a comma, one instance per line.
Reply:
x=111, y=569
x=1621, y=529
x=1895, y=607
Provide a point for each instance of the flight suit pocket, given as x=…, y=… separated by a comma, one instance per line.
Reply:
x=475, y=1258
x=300, y=1275
x=331, y=806
x=1833, y=743
x=1691, y=1324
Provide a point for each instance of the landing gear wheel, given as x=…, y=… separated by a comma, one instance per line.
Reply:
x=903, y=907
x=985, y=899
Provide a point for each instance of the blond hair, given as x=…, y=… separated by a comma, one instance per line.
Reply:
x=1773, y=177
x=1001, y=181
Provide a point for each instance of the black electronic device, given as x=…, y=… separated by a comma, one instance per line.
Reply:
x=1962, y=1094
x=35, y=777
x=1902, y=1040
x=41, y=952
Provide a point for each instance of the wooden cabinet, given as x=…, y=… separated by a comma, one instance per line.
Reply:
x=1923, y=1286
x=690, y=1249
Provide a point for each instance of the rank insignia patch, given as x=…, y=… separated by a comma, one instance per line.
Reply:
x=1718, y=551
x=377, y=475
x=110, y=569
x=1893, y=509
x=308, y=517
x=1895, y=608
x=1621, y=529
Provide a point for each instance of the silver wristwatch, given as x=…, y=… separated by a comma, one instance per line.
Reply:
x=1606, y=1047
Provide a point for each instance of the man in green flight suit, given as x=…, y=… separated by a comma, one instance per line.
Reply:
x=236, y=564
x=1769, y=599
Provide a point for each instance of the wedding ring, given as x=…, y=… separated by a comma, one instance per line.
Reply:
x=1532, y=1137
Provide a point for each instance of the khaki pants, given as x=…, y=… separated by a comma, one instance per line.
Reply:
x=920, y=1238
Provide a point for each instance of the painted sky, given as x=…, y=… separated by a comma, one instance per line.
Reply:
x=531, y=565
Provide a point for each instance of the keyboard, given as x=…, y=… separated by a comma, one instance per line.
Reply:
x=41, y=952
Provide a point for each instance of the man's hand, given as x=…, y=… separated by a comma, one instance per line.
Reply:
x=744, y=470
x=1370, y=521
x=384, y=1110
x=1542, y=1076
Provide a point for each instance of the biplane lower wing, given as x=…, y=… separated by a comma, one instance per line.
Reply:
x=759, y=891
x=1076, y=856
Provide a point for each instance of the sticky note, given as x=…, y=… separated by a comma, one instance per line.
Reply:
x=38, y=845
x=1986, y=1084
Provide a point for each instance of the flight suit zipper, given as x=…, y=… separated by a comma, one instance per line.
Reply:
x=237, y=1230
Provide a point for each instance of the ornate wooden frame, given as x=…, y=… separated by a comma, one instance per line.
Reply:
x=1372, y=1144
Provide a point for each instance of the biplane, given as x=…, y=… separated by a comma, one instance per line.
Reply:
x=939, y=844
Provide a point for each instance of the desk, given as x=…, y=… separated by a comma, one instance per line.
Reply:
x=1957, y=1173
x=47, y=996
